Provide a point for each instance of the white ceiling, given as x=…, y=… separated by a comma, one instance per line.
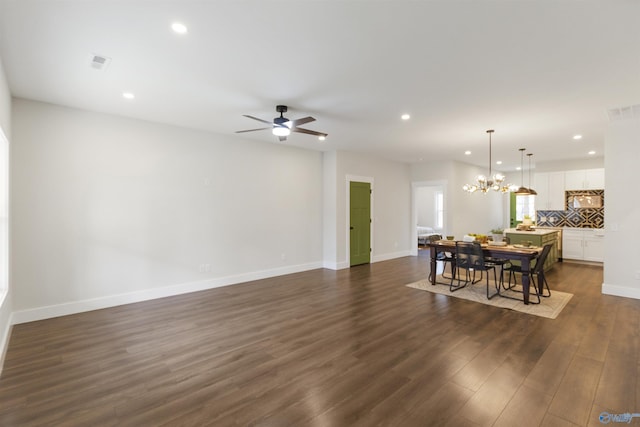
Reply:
x=537, y=72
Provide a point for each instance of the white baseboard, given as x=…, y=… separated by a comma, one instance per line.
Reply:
x=40, y=313
x=73, y=307
x=621, y=291
x=331, y=265
x=393, y=255
x=4, y=341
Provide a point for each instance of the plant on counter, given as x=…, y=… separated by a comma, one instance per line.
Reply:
x=497, y=234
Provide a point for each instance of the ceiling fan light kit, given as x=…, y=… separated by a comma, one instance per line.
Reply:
x=282, y=130
x=282, y=126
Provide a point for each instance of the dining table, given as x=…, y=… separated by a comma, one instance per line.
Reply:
x=511, y=252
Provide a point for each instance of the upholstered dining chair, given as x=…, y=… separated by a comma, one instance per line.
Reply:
x=470, y=258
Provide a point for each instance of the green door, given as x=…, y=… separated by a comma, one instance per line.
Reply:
x=513, y=221
x=360, y=222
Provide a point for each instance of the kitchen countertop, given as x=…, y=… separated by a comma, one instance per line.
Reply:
x=536, y=232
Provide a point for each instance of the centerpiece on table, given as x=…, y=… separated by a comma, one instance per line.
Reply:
x=497, y=234
x=482, y=238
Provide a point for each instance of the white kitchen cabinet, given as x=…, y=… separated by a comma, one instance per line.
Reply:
x=584, y=179
x=584, y=244
x=550, y=189
x=572, y=247
x=594, y=245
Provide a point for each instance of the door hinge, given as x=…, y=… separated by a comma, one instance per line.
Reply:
x=370, y=191
x=370, y=220
x=370, y=250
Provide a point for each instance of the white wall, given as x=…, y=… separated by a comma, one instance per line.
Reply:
x=111, y=210
x=391, y=205
x=465, y=213
x=477, y=212
x=622, y=210
x=5, y=103
x=6, y=307
x=329, y=220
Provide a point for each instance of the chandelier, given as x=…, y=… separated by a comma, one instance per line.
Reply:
x=484, y=184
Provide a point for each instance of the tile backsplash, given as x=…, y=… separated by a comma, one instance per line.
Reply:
x=572, y=217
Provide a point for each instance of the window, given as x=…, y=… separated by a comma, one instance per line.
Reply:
x=439, y=205
x=525, y=206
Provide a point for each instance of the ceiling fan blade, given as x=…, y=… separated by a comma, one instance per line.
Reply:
x=298, y=122
x=282, y=138
x=307, y=131
x=251, y=130
x=260, y=120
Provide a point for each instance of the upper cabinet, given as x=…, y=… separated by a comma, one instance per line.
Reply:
x=550, y=188
x=587, y=179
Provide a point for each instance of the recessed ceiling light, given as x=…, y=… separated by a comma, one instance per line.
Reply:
x=518, y=168
x=405, y=117
x=591, y=153
x=179, y=28
x=576, y=137
x=322, y=138
x=499, y=162
x=467, y=153
x=128, y=95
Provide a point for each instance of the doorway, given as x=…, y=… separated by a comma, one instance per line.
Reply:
x=519, y=207
x=429, y=201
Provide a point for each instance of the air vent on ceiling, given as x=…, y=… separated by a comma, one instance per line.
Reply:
x=624, y=113
x=99, y=62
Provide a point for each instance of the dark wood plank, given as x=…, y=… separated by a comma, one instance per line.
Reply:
x=575, y=395
x=350, y=347
x=527, y=408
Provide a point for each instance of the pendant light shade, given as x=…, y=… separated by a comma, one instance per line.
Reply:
x=531, y=190
x=522, y=190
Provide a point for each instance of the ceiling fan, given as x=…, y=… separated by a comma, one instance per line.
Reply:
x=282, y=127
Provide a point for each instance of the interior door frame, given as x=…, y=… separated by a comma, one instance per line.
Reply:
x=348, y=181
x=414, y=209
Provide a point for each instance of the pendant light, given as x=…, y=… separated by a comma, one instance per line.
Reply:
x=486, y=183
x=531, y=190
x=522, y=191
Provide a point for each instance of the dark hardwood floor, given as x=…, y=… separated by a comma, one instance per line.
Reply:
x=324, y=348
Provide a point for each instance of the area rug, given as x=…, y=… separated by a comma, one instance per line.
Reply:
x=548, y=307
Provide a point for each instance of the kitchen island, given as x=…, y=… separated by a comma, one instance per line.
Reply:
x=538, y=237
